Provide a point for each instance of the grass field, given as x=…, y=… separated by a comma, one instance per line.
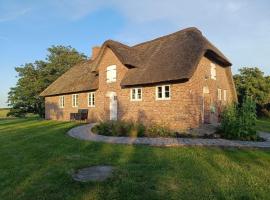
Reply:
x=37, y=159
x=3, y=112
x=263, y=125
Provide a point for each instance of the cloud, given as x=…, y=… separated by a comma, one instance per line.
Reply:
x=12, y=15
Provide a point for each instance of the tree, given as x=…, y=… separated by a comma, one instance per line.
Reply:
x=33, y=78
x=251, y=82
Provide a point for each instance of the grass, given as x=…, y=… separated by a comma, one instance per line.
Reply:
x=3, y=112
x=37, y=159
x=263, y=124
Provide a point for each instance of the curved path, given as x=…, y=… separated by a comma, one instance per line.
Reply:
x=84, y=133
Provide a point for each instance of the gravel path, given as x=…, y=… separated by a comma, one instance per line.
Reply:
x=84, y=133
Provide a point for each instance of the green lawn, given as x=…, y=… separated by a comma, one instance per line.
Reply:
x=37, y=158
x=263, y=125
x=3, y=112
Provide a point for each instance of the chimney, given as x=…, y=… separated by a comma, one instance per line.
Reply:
x=95, y=51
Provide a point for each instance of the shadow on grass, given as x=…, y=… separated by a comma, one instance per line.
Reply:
x=40, y=163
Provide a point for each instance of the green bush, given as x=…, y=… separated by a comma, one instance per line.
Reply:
x=120, y=128
x=159, y=131
x=238, y=122
x=131, y=129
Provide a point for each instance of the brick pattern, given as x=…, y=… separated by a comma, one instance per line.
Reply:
x=184, y=110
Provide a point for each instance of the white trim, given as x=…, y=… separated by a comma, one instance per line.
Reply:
x=136, y=94
x=90, y=98
x=75, y=100
x=219, y=91
x=111, y=74
x=163, y=92
x=213, y=71
x=61, y=101
x=225, y=95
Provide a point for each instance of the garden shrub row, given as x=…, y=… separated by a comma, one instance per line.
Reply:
x=238, y=121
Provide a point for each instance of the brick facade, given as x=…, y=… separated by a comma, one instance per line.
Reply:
x=187, y=107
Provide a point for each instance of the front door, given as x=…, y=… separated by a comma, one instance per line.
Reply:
x=113, y=106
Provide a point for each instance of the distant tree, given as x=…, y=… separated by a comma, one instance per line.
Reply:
x=35, y=77
x=251, y=82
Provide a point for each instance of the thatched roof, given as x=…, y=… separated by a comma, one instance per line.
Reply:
x=169, y=58
x=77, y=79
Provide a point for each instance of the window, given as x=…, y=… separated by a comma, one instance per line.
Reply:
x=91, y=99
x=163, y=92
x=225, y=95
x=205, y=90
x=136, y=94
x=61, y=101
x=213, y=71
x=75, y=98
x=111, y=74
x=219, y=94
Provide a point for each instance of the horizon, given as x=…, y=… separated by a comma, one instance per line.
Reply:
x=240, y=29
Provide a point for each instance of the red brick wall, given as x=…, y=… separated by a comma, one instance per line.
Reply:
x=182, y=111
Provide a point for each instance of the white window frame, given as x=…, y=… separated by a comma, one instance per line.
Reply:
x=163, y=92
x=219, y=91
x=111, y=74
x=213, y=71
x=61, y=101
x=225, y=95
x=75, y=99
x=91, y=99
x=136, y=94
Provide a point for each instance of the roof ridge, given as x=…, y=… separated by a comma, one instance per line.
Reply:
x=168, y=35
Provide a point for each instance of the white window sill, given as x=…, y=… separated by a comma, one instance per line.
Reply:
x=162, y=99
x=135, y=99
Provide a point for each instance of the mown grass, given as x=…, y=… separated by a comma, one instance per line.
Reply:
x=3, y=112
x=263, y=124
x=37, y=159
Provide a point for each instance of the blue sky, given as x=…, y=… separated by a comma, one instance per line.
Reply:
x=239, y=28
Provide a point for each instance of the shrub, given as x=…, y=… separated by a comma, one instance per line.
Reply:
x=238, y=122
x=159, y=131
x=126, y=128
x=119, y=128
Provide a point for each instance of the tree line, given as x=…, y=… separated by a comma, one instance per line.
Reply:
x=34, y=77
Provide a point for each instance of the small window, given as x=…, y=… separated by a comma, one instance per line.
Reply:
x=91, y=99
x=225, y=95
x=163, y=92
x=61, y=101
x=75, y=98
x=213, y=71
x=219, y=95
x=111, y=74
x=205, y=90
x=136, y=94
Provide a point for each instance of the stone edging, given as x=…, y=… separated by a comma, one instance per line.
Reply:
x=84, y=133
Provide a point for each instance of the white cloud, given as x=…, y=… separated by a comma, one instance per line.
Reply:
x=12, y=15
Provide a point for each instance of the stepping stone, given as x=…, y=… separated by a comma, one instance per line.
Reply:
x=95, y=173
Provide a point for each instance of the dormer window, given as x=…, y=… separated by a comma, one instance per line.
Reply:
x=213, y=71
x=111, y=74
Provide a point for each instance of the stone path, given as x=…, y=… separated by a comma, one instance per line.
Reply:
x=84, y=133
x=94, y=173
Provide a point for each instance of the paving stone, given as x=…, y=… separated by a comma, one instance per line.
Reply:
x=94, y=173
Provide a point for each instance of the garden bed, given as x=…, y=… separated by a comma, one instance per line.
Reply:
x=131, y=129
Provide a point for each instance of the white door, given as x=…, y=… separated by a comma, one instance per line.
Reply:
x=113, y=107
